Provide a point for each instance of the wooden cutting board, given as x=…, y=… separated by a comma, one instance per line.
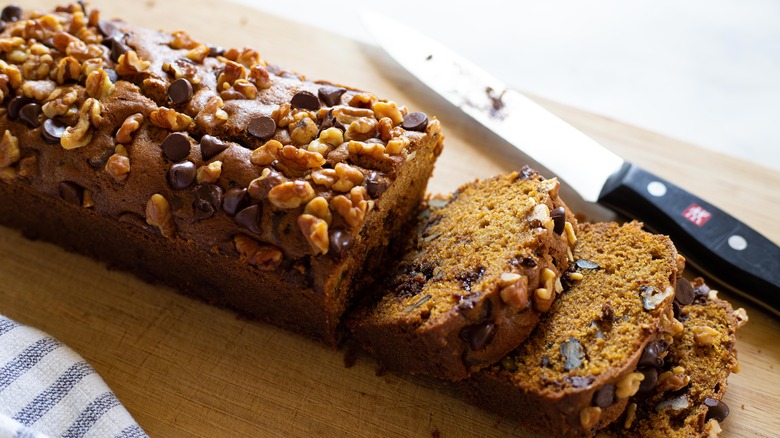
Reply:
x=184, y=368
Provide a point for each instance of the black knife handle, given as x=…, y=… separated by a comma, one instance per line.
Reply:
x=715, y=242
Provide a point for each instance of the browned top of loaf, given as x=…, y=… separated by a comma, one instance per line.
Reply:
x=467, y=241
x=310, y=177
x=701, y=357
x=596, y=328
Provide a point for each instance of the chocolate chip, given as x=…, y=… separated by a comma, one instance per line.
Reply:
x=528, y=262
x=215, y=51
x=559, y=219
x=478, y=336
x=716, y=409
x=113, y=76
x=604, y=396
x=573, y=353
x=339, y=242
x=262, y=127
x=180, y=91
x=683, y=292
x=182, y=174
x=249, y=218
x=586, y=264
x=118, y=48
x=651, y=354
x=176, y=146
x=52, y=130
x=211, y=146
x=305, y=100
x=71, y=192
x=99, y=161
x=235, y=200
x=329, y=121
x=11, y=13
x=207, y=200
x=108, y=29
x=30, y=114
x=676, y=310
x=16, y=104
x=415, y=121
x=331, y=95
x=376, y=184
x=651, y=378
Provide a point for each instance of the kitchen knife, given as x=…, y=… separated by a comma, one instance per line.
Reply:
x=713, y=241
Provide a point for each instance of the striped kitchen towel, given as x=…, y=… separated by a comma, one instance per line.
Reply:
x=47, y=390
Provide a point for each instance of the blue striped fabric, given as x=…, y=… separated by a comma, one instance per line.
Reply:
x=47, y=390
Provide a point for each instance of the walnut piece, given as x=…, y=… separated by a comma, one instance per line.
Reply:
x=158, y=214
x=80, y=135
x=629, y=385
x=397, y=145
x=182, y=40
x=347, y=177
x=291, y=194
x=259, y=75
x=315, y=230
x=543, y=299
x=9, y=150
x=318, y=207
x=354, y=208
x=118, y=166
x=303, y=131
x=389, y=110
x=130, y=64
x=170, y=119
x=131, y=124
x=209, y=173
x=61, y=102
x=514, y=291
x=70, y=45
x=198, y=53
x=38, y=90
x=300, y=159
x=589, y=417
x=373, y=150
x=704, y=335
x=363, y=100
x=232, y=72
x=672, y=380
x=68, y=69
x=99, y=85
x=212, y=113
x=266, y=154
x=361, y=129
x=265, y=257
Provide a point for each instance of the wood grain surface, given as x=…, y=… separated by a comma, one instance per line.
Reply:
x=184, y=368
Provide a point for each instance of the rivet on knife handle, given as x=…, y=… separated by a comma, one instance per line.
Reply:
x=723, y=247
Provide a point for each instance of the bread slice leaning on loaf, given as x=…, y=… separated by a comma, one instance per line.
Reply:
x=206, y=169
x=484, y=264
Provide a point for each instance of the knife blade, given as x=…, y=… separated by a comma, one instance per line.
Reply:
x=713, y=241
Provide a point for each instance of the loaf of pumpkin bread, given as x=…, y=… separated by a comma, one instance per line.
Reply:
x=206, y=169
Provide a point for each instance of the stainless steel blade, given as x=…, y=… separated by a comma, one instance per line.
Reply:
x=584, y=164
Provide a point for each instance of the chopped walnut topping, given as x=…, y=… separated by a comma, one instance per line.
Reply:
x=629, y=385
x=363, y=100
x=158, y=214
x=182, y=69
x=266, y=154
x=9, y=150
x=389, y=110
x=246, y=88
x=68, y=69
x=354, y=208
x=324, y=177
x=740, y=315
x=212, y=113
x=130, y=64
x=332, y=136
x=319, y=207
x=118, y=167
x=61, y=102
x=182, y=40
x=319, y=147
x=675, y=379
x=13, y=73
x=704, y=335
x=91, y=65
x=385, y=128
x=247, y=57
x=81, y=134
x=543, y=299
x=300, y=159
x=209, y=173
x=361, y=129
x=551, y=186
x=99, y=85
x=259, y=187
x=374, y=150
x=70, y=45
x=28, y=167
x=38, y=90
x=397, y=145
x=712, y=428
x=348, y=177
x=78, y=22
x=259, y=75
x=304, y=131
x=10, y=44
x=170, y=119
x=265, y=257
x=291, y=194
x=282, y=115
x=232, y=72
x=131, y=124
x=315, y=230
x=346, y=115
x=198, y=53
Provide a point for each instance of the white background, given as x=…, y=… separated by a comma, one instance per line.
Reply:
x=703, y=71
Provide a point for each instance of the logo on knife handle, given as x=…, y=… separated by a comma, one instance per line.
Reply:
x=697, y=215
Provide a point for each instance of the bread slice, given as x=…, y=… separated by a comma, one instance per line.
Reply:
x=686, y=400
x=485, y=263
x=576, y=371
